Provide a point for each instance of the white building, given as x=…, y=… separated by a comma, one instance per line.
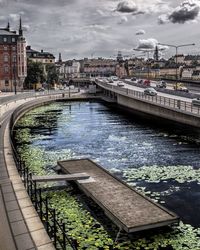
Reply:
x=70, y=69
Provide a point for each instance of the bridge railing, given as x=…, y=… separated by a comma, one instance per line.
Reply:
x=177, y=104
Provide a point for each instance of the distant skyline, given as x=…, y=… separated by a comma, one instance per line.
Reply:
x=100, y=28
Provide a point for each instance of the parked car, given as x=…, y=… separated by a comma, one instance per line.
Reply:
x=161, y=84
x=196, y=101
x=180, y=87
x=150, y=91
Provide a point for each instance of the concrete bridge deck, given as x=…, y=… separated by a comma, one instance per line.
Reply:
x=128, y=209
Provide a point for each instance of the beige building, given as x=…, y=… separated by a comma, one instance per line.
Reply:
x=99, y=67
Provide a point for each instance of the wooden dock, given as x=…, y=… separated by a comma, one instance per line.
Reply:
x=60, y=177
x=127, y=208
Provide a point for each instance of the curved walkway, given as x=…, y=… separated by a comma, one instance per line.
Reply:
x=20, y=226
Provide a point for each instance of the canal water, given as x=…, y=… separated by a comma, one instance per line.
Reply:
x=161, y=161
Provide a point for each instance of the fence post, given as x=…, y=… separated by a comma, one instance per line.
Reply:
x=47, y=214
x=35, y=194
x=54, y=227
x=31, y=185
x=40, y=202
x=64, y=240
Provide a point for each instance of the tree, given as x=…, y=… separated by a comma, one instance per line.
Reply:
x=35, y=73
x=52, y=73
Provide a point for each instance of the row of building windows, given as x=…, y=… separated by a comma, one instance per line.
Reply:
x=5, y=39
x=6, y=58
x=6, y=48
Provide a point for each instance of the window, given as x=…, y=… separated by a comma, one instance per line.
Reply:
x=5, y=39
x=6, y=82
x=14, y=58
x=13, y=48
x=5, y=48
x=6, y=69
x=5, y=58
x=13, y=39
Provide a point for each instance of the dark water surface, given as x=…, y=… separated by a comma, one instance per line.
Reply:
x=120, y=142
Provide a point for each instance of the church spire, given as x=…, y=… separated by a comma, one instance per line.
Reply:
x=20, y=27
x=8, y=26
x=60, y=58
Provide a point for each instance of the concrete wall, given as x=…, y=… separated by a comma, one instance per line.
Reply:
x=159, y=111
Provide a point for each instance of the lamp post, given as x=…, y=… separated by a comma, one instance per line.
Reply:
x=176, y=47
x=14, y=74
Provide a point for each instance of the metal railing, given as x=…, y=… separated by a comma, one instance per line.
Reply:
x=55, y=228
x=172, y=103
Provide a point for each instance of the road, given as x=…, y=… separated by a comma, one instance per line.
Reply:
x=153, y=84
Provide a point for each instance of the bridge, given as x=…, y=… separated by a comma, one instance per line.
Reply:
x=169, y=107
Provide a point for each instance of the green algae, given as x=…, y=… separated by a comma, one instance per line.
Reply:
x=156, y=174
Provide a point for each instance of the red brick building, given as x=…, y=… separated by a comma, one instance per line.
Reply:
x=13, y=63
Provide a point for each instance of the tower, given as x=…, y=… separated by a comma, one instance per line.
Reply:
x=8, y=27
x=119, y=56
x=20, y=27
x=156, y=54
x=60, y=58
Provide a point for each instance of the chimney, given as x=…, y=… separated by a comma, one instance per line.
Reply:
x=42, y=51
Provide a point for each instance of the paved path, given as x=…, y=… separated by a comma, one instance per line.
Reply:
x=20, y=226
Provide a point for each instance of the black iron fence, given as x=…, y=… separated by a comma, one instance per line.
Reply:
x=54, y=226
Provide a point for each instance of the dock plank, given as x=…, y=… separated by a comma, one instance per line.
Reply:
x=61, y=177
x=125, y=206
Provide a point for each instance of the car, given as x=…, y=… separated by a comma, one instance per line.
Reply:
x=161, y=84
x=146, y=82
x=134, y=79
x=120, y=84
x=180, y=87
x=40, y=89
x=110, y=80
x=196, y=101
x=71, y=87
x=150, y=91
x=140, y=81
x=115, y=78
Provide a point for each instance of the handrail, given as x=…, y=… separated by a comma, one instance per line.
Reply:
x=172, y=103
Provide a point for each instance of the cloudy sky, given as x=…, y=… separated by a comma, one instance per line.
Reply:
x=93, y=28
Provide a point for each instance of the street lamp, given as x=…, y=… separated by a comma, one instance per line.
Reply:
x=15, y=81
x=176, y=47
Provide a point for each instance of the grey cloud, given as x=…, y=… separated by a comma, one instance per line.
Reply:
x=186, y=11
x=140, y=32
x=127, y=7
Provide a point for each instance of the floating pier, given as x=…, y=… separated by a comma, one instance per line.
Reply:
x=126, y=207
